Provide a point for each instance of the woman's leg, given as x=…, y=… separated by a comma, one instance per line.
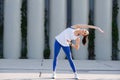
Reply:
x=68, y=54
x=57, y=47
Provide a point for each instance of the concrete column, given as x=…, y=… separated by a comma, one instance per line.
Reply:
x=57, y=23
x=80, y=16
x=119, y=27
x=35, y=29
x=103, y=19
x=12, y=30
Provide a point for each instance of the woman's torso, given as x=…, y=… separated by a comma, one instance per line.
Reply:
x=67, y=34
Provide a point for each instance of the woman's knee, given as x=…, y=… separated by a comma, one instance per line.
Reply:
x=70, y=59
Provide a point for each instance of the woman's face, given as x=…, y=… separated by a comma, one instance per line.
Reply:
x=84, y=32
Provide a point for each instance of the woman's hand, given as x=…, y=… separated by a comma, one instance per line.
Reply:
x=69, y=42
x=100, y=29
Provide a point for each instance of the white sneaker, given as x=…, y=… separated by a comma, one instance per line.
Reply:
x=54, y=75
x=76, y=76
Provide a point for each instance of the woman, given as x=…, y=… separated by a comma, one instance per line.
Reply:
x=63, y=40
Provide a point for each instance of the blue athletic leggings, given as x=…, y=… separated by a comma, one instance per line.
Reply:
x=66, y=49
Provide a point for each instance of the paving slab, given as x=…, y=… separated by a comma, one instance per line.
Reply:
x=84, y=65
x=36, y=69
x=20, y=63
x=60, y=76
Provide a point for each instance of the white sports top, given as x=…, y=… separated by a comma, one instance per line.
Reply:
x=67, y=34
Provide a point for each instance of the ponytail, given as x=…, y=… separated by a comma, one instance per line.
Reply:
x=84, y=40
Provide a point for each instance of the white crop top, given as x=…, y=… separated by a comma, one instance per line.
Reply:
x=67, y=34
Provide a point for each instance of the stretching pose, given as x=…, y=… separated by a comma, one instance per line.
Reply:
x=63, y=40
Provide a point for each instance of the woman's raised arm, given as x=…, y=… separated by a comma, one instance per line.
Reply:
x=87, y=26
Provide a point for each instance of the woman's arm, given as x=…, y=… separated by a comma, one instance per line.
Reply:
x=84, y=26
x=76, y=45
x=87, y=26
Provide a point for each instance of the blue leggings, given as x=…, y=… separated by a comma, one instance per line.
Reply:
x=57, y=47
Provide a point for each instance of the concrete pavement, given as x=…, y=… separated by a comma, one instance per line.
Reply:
x=36, y=69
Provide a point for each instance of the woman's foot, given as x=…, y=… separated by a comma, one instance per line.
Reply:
x=54, y=75
x=76, y=76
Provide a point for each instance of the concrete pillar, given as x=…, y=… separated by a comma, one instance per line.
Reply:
x=80, y=16
x=12, y=30
x=57, y=23
x=103, y=19
x=119, y=27
x=35, y=29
